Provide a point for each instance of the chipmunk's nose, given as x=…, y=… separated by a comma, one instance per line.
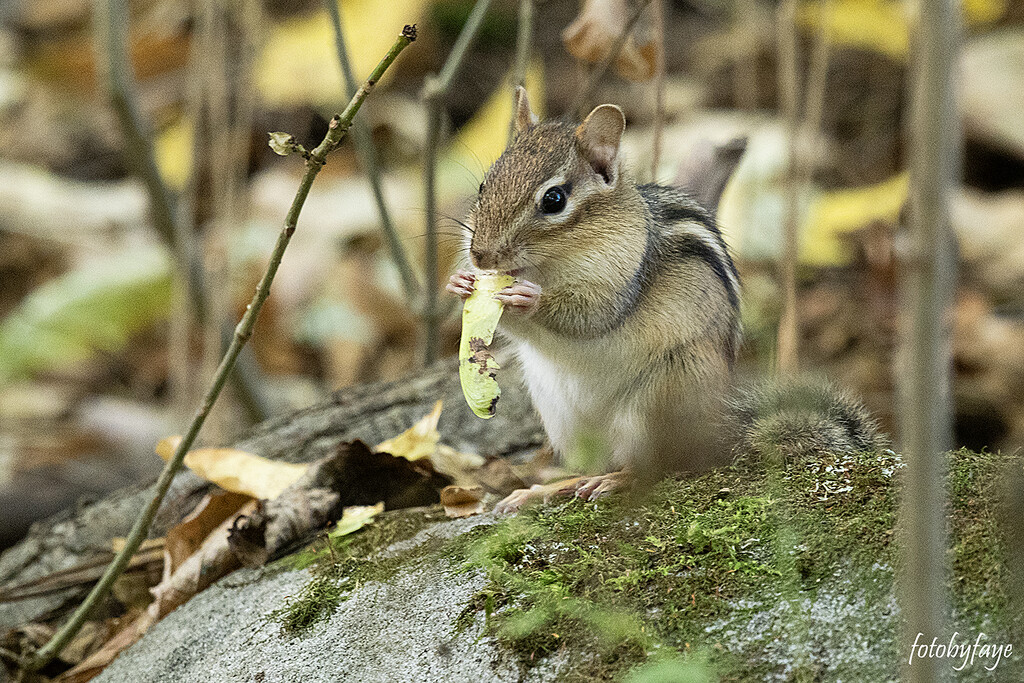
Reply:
x=483, y=259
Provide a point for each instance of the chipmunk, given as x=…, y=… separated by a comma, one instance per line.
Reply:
x=624, y=312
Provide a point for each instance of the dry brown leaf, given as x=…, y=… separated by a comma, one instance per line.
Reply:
x=417, y=442
x=189, y=534
x=459, y=501
x=236, y=470
x=95, y=663
x=82, y=574
x=594, y=33
x=211, y=560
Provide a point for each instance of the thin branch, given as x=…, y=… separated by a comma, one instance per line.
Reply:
x=338, y=126
x=602, y=68
x=659, y=86
x=431, y=314
x=111, y=35
x=436, y=87
x=787, y=347
x=803, y=133
x=926, y=426
x=367, y=155
x=434, y=90
x=524, y=39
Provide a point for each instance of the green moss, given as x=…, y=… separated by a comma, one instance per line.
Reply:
x=342, y=565
x=634, y=575
x=979, y=547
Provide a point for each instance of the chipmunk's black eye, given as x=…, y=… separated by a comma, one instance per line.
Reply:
x=481, y=190
x=553, y=200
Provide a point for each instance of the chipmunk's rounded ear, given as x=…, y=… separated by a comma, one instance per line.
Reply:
x=599, y=136
x=525, y=118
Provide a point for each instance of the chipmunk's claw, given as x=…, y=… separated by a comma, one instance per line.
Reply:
x=592, y=488
x=584, y=488
x=462, y=283
x=522, y=296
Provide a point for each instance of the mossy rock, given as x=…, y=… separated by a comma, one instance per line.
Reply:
x=749, y=573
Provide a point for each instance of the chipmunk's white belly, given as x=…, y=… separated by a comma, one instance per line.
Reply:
x=582, y=391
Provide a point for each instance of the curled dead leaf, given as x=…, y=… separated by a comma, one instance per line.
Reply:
x=594, y=32
x=459, y=501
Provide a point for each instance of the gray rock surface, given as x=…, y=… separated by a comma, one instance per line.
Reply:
x=399, y=630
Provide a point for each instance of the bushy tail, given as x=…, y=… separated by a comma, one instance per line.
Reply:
x=801, y=419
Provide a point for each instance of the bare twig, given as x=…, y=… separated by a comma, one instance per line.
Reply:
x=524, y=38
x=659, y=86
x=111, y=29
x=926, y=429
x=338, y=127
x=789, y=89
x=434, y=90
x=367, y=154
x=803, y=131
x=602, y=68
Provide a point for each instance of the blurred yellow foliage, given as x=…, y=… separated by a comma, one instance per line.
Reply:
x=831, y=214
x=883, y=25
x=299, y=63
x=483, y=138
x=173, y=151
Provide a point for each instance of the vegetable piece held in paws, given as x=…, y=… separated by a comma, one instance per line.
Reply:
x=477, y=367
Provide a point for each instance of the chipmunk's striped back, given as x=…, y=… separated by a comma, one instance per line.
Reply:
x=682, y=232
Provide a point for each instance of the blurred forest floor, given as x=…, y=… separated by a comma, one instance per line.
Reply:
x=100, y=356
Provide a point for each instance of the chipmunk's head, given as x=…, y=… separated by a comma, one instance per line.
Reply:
x=553, y=184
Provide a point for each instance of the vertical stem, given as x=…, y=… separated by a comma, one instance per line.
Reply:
x=524, y=38
x=789, y=91
x=434, y=90
x=925, y=392
x=431, y=315
x=110, y=26
x=659, y=86
x=804, y=131
x=598, y=72
x=745, y=86
x=367, y=154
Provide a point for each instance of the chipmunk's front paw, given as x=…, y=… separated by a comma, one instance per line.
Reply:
x=522, y=296
x=462, y=283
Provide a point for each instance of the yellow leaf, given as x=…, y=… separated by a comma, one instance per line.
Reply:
x=831, y=214
x=878, y=25
x=355, y=518
x=984, y=11
x=235, y=470
x=483, y=138
x=299, y=62
x=173, y=152
x=883, y=25
x=418, y=441
x=477, y=367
